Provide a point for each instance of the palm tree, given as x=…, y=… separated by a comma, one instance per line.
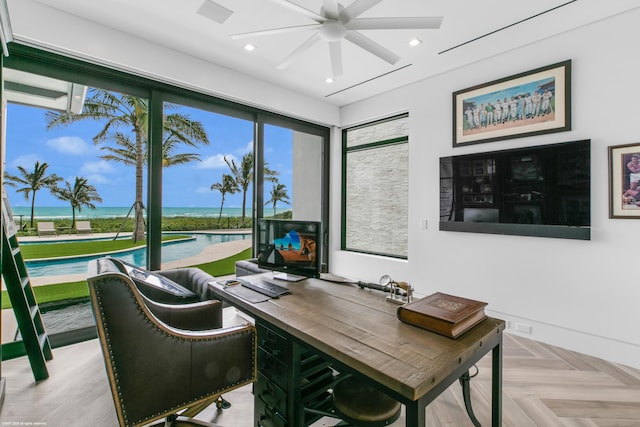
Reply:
x=228, y=185
x=278, y=194
x=81, y=194
x=131, y=113
x=32, y=182
x=243, y=176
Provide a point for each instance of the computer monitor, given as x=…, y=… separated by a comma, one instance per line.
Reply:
x=289, y=247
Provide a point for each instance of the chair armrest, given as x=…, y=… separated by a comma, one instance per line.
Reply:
x=197, y=316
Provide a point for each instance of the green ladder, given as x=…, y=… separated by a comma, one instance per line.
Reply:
x=28, y=316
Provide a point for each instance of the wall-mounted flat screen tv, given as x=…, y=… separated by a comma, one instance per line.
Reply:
x=542, y=191
x=289, y=247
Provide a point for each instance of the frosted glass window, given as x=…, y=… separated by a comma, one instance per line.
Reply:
x=375, y=211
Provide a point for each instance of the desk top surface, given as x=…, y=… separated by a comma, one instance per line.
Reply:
x=361, y=330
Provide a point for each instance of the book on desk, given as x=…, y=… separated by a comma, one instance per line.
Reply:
x=444, y=314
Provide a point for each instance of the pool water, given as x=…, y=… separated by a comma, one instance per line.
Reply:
x=171, y=251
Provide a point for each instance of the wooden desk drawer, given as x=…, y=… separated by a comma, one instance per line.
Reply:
x=271, y=395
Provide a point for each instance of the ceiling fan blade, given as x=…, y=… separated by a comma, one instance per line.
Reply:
x=335, y=50
x=427, y=22
x=357, y=8
x=273, y=31
x=374, y=48
x=331, y=8
x=304, y=46
x=214, y=11
x=297, y=8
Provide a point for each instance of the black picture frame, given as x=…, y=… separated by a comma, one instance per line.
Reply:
x=624, y=199
x=535, y=102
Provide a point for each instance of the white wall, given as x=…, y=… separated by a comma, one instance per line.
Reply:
x=581, y=295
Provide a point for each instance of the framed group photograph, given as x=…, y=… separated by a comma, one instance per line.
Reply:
x=624, y=181
x=525, y=104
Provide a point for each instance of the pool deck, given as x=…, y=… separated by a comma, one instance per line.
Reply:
x=210, y=253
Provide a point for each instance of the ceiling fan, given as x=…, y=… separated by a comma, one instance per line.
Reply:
x=335, y=23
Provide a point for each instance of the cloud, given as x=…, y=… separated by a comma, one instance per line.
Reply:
x=97, y=179
x=96, y=172
x=203, y=190
x=216, y=161
x=72, y=145
x=99, y=167
x=27, y=161
x=246, y=149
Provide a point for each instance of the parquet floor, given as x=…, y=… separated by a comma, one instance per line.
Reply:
x=543, y=386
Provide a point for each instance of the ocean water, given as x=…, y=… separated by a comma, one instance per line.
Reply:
x=62, y=212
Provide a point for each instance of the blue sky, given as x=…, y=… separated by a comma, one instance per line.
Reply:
x=70, y=152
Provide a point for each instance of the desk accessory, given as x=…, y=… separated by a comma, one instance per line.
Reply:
x=399, y=292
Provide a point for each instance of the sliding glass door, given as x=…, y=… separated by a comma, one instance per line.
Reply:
x=215, y=164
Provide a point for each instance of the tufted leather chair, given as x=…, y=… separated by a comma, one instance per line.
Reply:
x=155, y=368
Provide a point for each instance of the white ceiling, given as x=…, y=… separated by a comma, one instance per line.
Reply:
x=471, y=30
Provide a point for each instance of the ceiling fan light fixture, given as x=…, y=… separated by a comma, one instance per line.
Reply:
x=332, y=30
x=415, y=42
x=249, y=47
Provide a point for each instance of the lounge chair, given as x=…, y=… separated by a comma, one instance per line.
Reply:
x=46, y=228
x=83, y=227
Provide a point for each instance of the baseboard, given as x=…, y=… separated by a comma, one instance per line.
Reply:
x=612, y=350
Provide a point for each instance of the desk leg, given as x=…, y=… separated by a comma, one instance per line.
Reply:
x=496, y=385
x=415, y=414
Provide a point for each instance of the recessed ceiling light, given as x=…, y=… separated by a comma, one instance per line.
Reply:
x=328, y=80
x=415, y=42
x=249, y=47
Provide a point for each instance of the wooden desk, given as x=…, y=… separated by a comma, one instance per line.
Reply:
x=359, y=332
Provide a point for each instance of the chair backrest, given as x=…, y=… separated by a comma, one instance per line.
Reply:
x=83, y=224
x=155, y=370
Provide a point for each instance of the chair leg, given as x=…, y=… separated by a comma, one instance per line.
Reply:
x=466, y=394
x=170, y=421
x=194, y=410
x=222, y=403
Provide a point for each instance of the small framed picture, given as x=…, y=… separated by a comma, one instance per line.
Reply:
x=624, y=181
x=530, y=103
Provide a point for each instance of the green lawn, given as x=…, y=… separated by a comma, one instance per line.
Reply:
x=72, y=290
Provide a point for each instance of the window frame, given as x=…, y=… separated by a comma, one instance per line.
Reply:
x=368, y=146
x=54, y=65
x=34, y=60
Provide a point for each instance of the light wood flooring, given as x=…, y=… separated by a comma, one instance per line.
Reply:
x=543, y=386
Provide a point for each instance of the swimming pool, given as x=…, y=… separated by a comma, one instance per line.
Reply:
x=171, y=251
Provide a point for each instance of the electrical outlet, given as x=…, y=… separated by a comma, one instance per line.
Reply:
x=524, y=328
